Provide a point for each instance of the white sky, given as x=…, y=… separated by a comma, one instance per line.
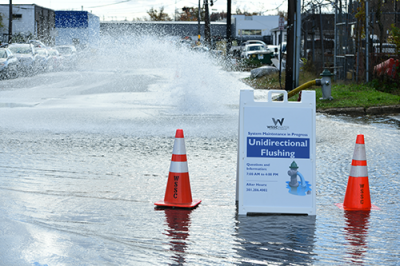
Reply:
x=129, y=9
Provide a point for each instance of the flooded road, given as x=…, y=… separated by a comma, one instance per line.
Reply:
x=85, y=154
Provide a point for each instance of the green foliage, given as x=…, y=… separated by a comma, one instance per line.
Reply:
x=19, y=38
x=308, y=66
x=394, y=37
x=251, y=63
x=387, y=84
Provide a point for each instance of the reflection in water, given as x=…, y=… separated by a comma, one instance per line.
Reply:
x=178, y=221
x=356, y=230
x=278, y=238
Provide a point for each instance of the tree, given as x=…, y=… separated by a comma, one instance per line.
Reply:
x=158, y=16
x=244, y=12
x=380, y=24
x=218, y=16
x=191, y=14
x=395, y=38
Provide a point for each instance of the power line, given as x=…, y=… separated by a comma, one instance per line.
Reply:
x=110, y=4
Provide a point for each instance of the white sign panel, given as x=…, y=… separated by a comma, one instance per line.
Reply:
x=276, y=155
x=281, y=23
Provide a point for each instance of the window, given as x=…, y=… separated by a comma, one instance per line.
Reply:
x=17, y=16
x=250, y=32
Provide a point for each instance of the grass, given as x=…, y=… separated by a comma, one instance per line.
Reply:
x=344, y=95
x=356, y=95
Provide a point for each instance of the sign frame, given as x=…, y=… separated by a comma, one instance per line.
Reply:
x=276, y=169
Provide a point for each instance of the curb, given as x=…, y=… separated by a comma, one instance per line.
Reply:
x=375, y=110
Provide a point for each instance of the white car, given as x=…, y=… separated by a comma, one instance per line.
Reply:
x=69, y=55
x=253, y=50
x=244, y=44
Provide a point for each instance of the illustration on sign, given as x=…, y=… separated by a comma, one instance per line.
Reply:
x=293, y=185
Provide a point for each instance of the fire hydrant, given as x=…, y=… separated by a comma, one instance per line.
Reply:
x=326, y=85
x=293, y=175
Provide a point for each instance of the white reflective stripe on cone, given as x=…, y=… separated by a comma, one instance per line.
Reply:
x=179, y=146
x=179, y=167
x=359, y=152
x=358, y=171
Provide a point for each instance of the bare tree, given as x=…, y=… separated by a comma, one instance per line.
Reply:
x=191, y=14
x=156, y=15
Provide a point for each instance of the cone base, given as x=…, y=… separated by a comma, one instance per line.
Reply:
x=340, y=206
x=189, y=205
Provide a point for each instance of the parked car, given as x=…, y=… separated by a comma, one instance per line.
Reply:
x=69, y=55
x=259, y=53
x=8, y=64
x=26, y=55
x=244, y=44
x=37, y=44
x=200, y=48
x=42, y=59
x=254, y=48
x=56, y=60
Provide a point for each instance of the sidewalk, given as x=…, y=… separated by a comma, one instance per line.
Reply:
x=376, y=110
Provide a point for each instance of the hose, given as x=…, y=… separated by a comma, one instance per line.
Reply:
x=302, y=87
x=299, y=88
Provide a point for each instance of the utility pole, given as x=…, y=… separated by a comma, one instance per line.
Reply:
x=335, y=43
x=290, y=45
x=367, y=41
x=228, y=27
x=198, y=24
x=10, y=23
x=206, y=24
x=321, y=37
x=296, y=64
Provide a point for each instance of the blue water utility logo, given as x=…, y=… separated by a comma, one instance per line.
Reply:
x=278, y=147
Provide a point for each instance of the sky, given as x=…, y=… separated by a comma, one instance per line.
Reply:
x=130, y=9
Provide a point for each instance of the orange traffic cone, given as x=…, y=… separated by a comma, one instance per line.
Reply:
x=357, y=196
x=178, y=193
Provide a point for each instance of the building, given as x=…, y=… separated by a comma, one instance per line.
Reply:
x=79, y=28
x=276, y=33
x=254, y=27
x=29, y=21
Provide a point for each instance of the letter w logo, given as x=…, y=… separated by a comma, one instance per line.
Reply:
x=278, y=121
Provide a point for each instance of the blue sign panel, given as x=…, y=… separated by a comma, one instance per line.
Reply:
x=278, y=147
x=71, y=19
